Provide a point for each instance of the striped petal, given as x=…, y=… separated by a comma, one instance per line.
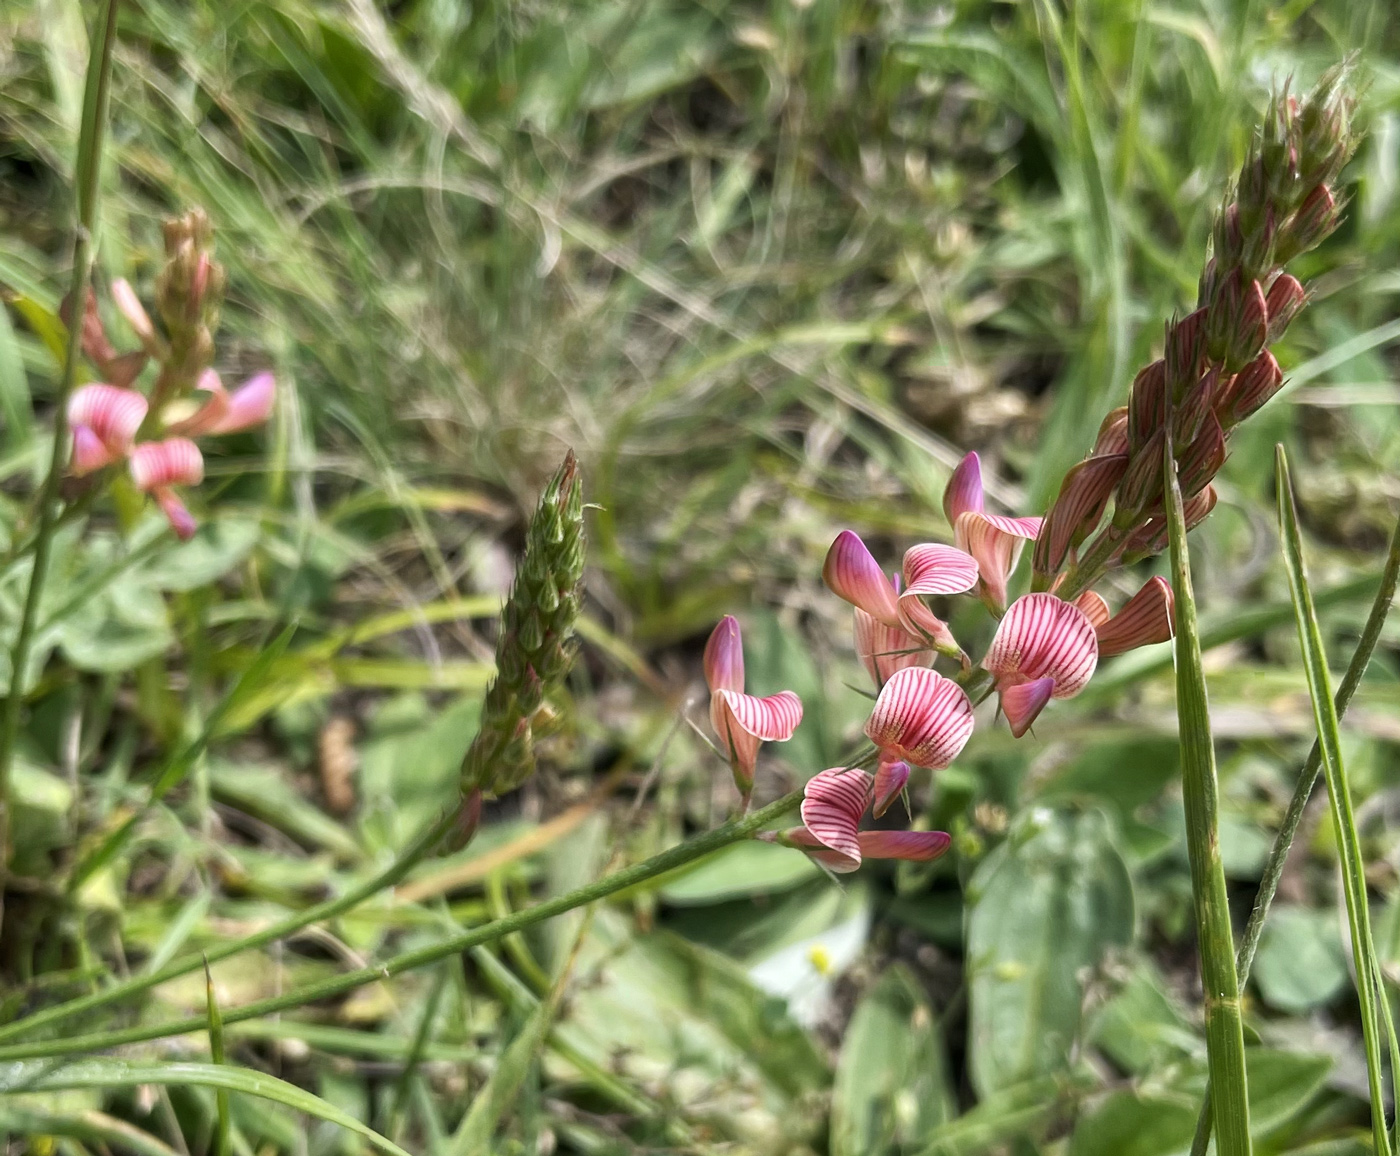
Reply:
x=995, y=543
x=915, y=846
x=1021, y=702
x=922, y=718
x=842, y=862
x=890, y=778
x=249, y=405
x=111, y=413
x=1083, y=495
x=743, y=721
x=88, y=452
x=932, y=569
x=173, y=462
x=1095, y=608
x=964, y=490
x=1113, y=434
x=724, y=656
x=833, y=803
x=886, y=649
x=1041, y=637
x=850, y=572
x=1146, y=618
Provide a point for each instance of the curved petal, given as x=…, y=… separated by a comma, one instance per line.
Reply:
x=1113, y=434
x=890, y=778
x=1095, y=608
x=112, y=414
x=88, y=452
x=916, y=846
x=1042, y=636
x=932, y=569
x=771, y=719
x=181, y=520
x=852, y=573
x=1146, y=617
x=130, y=307
x=724, y=656
x=886, y=649
x=207, y=417
x=249, y=405
x=832, y=805
x=963, y=492
x=922, y=718
x=173, y=462
x=839, y=861
x=995, y=543
x=1021, y=702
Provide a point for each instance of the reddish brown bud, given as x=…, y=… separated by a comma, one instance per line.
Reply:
x=1251, y=328
x=1316, y=217
x=1202, y=459
x=1147, y=405
x=1113, y=434
x=1151, y=537
x=1285, y=299
x=1192, y=409
x=1184, y=349
x=1077, y=510
x=1142, y=482
x=1252, y=387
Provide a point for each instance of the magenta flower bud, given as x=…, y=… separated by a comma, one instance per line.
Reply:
x=1185, y=347
x=1147, y=404
x=1251, y=327
x=724, y=656
x=1316, y=217
x=963, y=494
x=1191, y=412
x=921, y=718
x=1083, y=497
x=851, y=573
x=105, y=419
x=1141, y=486
x=1284, y=301
x=1146, y=617
x=890, y=780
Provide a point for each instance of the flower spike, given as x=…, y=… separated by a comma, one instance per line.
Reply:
x=852, y=573
x=922, y=718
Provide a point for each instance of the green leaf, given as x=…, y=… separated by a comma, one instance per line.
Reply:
x=891, y=1087
x=41, y=1076
x=217, y=547
x=1142, y=1028
x=751, y=868
x=15, y=402
x=1046, y=904
x=1300, y=964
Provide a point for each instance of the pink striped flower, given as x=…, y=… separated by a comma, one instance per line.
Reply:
x=742, y=721
x=852, y=573
x=1146, y=617
x=833, y=804
x=1044, y=648
x=993, y=540
x=921, y=718
x=104, y=420
x=224, y=413
x=158, y=467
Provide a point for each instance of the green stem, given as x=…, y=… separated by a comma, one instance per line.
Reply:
x=94, y=124
x=669, y=860
x=1200, y=793
x=1307, y=780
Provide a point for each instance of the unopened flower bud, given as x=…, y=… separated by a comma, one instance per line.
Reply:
x=1284, y=301
x=1142, y=482
x=1185, y=348
x=1083, y=496
x=1251, y=388
x=1202, y=459
x=1191, y=411
x=1113, y=434
x=1147, y=405
x=1317, y=216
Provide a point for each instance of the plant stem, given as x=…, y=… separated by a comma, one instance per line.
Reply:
x=1200, y=793
x=1307, y=779
x=669, y=860
x=1339, y=797
x=89, y=167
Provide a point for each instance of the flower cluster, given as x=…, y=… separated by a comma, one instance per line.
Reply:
x=1215, y=372
x=112, y=422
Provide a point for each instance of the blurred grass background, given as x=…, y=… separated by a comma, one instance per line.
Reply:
x=770, y=269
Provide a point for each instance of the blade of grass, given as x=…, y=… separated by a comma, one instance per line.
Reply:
x=1339, y=798
x=1307, y=779
x=216, y=1053
x=1200, y=793
x=619, y=881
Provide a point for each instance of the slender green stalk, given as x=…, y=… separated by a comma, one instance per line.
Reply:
x=94, y=126
x=387, y=878
x=1200, y=793
x=669, y=860
x=1339, y=797
x=1307, y=779
x=216, y=1054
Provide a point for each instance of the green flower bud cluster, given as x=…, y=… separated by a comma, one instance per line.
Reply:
x=536, y=647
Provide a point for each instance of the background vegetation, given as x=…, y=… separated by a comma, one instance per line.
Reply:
x=769, y=270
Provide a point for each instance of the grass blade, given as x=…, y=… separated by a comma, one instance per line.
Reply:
x=1200, y=793
x=1339, y=797
x=216, y=1053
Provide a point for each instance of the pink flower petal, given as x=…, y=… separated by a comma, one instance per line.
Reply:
x=88, y=452
x=1145, y=618
x=886, y=649
x=853, y=574
x=832, y=805
x=181, y=520
x=1095, y=608
x=964, y=490
x=838, y=861
x=1042, y=636
x=1021, y=702
x=921, y=717
x=890, y=778
x=207, y=417
x=173, y=462
x=249, y=405
x=933, y=569
x=742, y=721
x=915, y=846
x=995, y=542
x=130, y=307
x=111, y=413
x=724, y=656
